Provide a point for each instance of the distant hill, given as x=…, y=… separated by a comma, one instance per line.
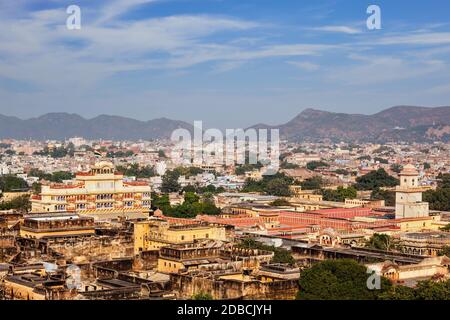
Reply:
x=401, y=123
x=59, y=126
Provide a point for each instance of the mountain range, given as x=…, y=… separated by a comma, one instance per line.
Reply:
x=59, y=126
x=401, y=123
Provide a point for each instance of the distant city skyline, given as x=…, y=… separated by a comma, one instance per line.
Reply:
x=228, y=63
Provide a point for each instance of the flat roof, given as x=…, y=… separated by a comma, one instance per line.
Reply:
x=52, y=217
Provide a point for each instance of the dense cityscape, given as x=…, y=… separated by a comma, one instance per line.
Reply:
x=229, y=159
x=83, y=219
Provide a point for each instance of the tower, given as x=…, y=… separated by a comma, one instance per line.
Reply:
x=408, y=196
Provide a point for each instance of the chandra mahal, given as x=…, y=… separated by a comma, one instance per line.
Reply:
x=100, y=190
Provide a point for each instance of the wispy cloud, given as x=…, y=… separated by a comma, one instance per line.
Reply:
x=337, y=29
x=423, y=38
x=115, y=8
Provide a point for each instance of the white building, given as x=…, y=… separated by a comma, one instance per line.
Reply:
x=408, y=199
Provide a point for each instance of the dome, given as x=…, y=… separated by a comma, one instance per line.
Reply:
x=409, y=170
x=103, y=164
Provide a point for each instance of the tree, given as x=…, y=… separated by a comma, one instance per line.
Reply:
x=430, y=290
x=438, y=199
x=313, y=183
x=21, y=203
x=10, y=183
x=162, y=154
x=202, y=296
x=188, y=171
x=277, y=185
x=339, y=195
x=381, y=160
x=342, y=171
x=288, y=165
x=313, y=165
x=375, y=179
x=387, y=196
x=242, y=169
x=424, y=290
x=10, y=152
x=396, y=168
x=280, y=203
x=208, y=197
x=160, y=202
x=444, y=180
x=191, y=207
x=380, y=242
x=60, y=176
x=280, y=255
x=445, y=251
x=170, y=182
x=36, y=187
x=338, y=280
x=365, y=157
x=134, y=170
x=398, y=293
x=191, y=198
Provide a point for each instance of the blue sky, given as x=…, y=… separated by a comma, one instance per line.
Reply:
x=230, y=63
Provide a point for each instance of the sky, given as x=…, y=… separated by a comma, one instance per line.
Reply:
x=228, y=63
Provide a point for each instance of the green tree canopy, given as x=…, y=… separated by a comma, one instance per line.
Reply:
x=280, y=203
x=338, y=280
x=276, y=185
x=380, y=242
x=387, y=196
x=280, y=255
x=340, y=194
x=134, y=170
x=375, y=179
x=202, y=296
x=313, y=165
x=10, y=183
x=21, y=203
x=313, y=183
x=170, y=182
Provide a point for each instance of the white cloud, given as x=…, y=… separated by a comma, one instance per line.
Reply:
x=115, y=8
x=378, y=70
x=425, y=38
x=337, y=29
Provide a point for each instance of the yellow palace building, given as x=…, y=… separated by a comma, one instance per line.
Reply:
x=100, y=190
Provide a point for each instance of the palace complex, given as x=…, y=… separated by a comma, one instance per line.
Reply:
x=101, y=190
